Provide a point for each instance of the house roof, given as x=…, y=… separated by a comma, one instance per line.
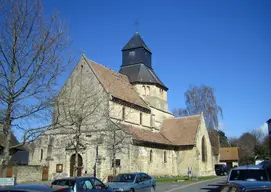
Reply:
x=176, y=132
x=136, y=42
x=228, y=154
x=181, y=131
x=117, y=84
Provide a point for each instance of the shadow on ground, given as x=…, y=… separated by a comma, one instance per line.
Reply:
x=213, y=187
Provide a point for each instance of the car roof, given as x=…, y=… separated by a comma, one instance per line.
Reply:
x=245, y=167
x=72, y=178
x=253, y=184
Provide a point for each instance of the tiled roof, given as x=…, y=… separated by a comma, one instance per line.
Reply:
x=117, y=85
x=228, y=154
x=148, y=136
x=176, y=132
x=181, y=131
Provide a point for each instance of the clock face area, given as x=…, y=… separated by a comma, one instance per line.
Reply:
x=132, y=53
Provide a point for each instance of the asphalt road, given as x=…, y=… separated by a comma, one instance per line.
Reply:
x=201, y=186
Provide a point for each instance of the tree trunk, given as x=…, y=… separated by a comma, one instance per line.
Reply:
x=114, y=156
x=7, y=132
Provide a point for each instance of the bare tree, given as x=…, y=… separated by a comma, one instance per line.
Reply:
x=30, y=61
x=201, y=99
x=118, y=141
x=80, y=109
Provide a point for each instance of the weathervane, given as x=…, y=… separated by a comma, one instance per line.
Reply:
x=136, y=24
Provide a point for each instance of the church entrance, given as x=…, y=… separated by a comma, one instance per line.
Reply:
x=72, y=165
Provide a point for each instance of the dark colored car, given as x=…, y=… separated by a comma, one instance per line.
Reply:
x=245, y=186
x=35, y=188
x=248, y=173
x=221, y=169
x=133, y=182
x=78, y=184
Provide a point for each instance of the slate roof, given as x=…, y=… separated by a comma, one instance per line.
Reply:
x=175, y=131
x=20, y=158
x=117, y=84
x=135, y=42
x=140, y=73
x=228, y=154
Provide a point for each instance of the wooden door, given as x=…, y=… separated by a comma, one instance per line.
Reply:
x=44, y=173
x=9, y=172
x=72, y=164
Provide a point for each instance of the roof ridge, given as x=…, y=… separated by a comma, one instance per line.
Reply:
x=186, y=117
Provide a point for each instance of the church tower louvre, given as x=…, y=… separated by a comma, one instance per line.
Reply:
x=137, y=65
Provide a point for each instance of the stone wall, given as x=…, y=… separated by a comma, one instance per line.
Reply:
x=27, y=173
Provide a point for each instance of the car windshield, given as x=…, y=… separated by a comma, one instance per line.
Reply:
x=248, y=174
x=124, y=178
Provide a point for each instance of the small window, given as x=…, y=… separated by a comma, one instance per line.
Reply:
x=41, y=154
x=123, y=113
x=140, y=118
x=132, y=53
x=117, y=163
x=165, y=156
x=150, y=155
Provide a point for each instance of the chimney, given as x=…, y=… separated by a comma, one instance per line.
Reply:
x=269, y=133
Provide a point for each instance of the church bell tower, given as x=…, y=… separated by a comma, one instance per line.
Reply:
x=137, y=65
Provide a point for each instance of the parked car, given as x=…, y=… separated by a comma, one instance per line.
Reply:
x=221, y=169
x=248, y=173
x=35, y=188
x=244, y=186
x=82, y=184
x=133, y=182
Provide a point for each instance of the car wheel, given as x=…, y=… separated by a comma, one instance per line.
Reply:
x=131, y=190
x=152, y=189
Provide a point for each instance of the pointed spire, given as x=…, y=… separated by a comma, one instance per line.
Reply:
x=136, y=42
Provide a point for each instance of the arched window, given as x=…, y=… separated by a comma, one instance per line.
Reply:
x=123, y=113
x=150, y=155
x=50, y=147
x=144, y=90
x=203, y=150
x=41, y=154
x=148, y=90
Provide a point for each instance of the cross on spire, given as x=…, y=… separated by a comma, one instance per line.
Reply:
x=136, y=24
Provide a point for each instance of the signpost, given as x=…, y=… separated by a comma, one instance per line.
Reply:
x=7, y=181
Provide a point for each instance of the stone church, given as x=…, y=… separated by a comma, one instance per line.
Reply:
x=134, y=100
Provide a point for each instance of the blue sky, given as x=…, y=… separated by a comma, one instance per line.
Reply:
x=222, y=44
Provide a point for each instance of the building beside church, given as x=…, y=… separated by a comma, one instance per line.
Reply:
x=134, y=100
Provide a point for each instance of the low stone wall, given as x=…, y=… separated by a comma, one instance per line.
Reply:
x=27, y=173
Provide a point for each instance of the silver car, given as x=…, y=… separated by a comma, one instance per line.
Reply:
x=133, y=182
